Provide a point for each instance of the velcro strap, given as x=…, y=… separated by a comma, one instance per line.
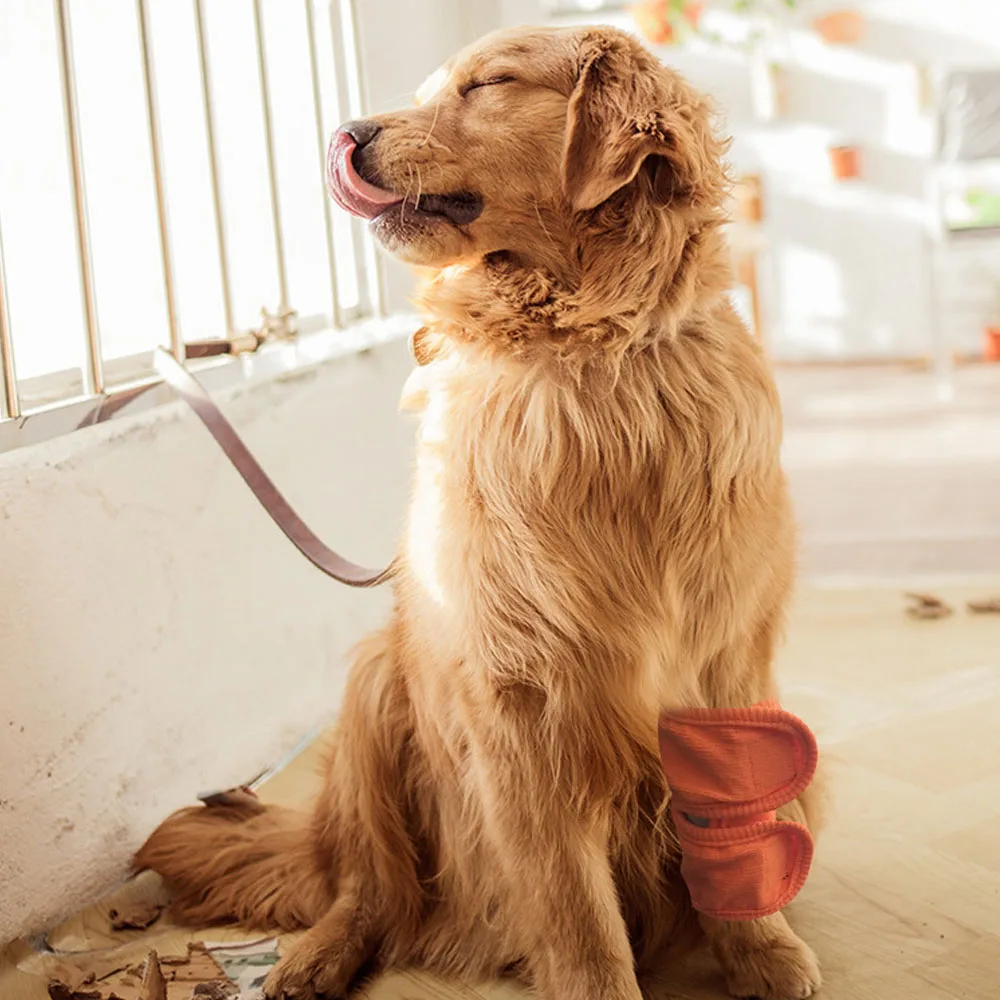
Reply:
x=743, y=872
x=723, y=763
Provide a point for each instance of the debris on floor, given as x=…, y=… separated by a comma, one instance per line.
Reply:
x=67, y=983
x=223, y=971
x=136, y=906
x=989, y=606
x=71, y=974
x=136, y=917
x=245, y=965
x=153, y=985
x=927, y=607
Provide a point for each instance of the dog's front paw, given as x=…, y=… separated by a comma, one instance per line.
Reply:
x=307, y=973
x=776, y=970
x=763, y=958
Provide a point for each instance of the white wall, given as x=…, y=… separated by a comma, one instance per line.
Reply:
x=158, y=635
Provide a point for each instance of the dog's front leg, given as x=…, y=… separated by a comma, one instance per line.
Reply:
x=322, y=964
x=765, y=957
x=559, y=891
x=744, y=811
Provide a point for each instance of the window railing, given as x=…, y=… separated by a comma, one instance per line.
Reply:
x=162, y=183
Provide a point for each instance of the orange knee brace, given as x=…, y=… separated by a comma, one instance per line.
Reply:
x=728, y=770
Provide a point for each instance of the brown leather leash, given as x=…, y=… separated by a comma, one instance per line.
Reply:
x=296, y=530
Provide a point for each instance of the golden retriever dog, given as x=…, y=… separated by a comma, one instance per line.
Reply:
x=599, y=531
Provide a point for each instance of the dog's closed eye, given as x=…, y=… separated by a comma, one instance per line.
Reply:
x=490, y=82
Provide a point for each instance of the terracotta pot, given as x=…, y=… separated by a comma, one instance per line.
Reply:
x=845, y=162
x=842, y=27
x=991, y=343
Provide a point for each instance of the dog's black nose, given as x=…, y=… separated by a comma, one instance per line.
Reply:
x=362, y=132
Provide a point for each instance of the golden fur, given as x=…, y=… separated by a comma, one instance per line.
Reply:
x=599, y=530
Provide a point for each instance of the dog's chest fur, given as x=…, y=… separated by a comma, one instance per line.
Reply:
x=572, y=534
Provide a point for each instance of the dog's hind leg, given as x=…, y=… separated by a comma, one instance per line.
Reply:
x=272, y=868
x=254, y=865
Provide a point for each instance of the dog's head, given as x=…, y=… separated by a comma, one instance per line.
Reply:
x=547, y=148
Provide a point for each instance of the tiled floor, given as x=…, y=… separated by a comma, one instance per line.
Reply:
x=904, y=903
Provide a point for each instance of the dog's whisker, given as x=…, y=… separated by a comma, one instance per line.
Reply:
x=427, y=137
x=406, y=194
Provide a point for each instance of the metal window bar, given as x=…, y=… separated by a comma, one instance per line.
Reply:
x=153, y=123
x=213, y=165
x=345, y=62
x=93, y=372
x=317, y=101
x=343, y=30
x=352, y=64
x=272, y=172
x=11, y=398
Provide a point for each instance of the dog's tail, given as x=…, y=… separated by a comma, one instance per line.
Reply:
x=253, y=864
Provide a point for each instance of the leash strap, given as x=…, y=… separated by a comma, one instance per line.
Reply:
x=296, y=530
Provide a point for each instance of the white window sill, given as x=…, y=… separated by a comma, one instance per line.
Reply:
x=270, y=362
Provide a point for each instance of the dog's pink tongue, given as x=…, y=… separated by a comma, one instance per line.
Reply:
x=346, y=186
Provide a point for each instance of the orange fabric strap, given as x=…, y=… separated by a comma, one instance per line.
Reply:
x=728, y=770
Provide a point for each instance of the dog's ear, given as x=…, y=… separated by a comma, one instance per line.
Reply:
x=628, y=115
